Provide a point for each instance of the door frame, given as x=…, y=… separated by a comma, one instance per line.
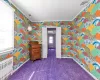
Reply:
x=45, y=44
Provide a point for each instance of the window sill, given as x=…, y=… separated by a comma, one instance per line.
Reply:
x=6, y=51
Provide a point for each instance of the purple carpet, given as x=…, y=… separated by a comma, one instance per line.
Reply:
x=51, y=69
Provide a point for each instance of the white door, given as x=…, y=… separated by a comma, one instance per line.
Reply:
x=58, y=42
x=44, y=42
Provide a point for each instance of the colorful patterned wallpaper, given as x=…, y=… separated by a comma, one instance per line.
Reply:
x=86, y=38
x=21, y=37
x=66, y=38
x=80, y=38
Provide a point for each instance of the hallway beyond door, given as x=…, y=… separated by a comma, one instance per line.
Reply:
x=51, y=53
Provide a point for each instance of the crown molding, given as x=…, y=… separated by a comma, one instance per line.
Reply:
x=20, y=10
x=51, y=20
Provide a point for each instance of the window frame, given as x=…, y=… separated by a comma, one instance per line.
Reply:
x=10, y=49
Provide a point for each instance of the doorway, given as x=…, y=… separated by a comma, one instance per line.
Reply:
x=55, y=38
x=51, y=33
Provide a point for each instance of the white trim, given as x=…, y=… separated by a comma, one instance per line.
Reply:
x=67, y=57
x=6, y=51
x=20, y=66
x=31, y=19
x=83, y=9
x=13, y=29
x=51, y=26
x=20, y=10
x=81, y=67
x=52, y=20
x=45, y=45
x=85, y=69
x=58, y=42
x=8, y=5
x=44, y=42
x=66, y=20
x=58, y=46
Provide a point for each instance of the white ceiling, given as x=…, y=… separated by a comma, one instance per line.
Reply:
x=49, y=10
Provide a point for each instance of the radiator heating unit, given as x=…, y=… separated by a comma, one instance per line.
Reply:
x=6, y=68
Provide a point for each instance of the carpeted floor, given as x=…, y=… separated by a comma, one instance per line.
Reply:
x=51, y=69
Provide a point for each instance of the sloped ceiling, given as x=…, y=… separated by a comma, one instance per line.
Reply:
x=49, y=10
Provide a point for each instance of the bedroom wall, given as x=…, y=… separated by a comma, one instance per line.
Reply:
x=66, y=37
x=80, y=38
x=21, y=37
x=86, y=38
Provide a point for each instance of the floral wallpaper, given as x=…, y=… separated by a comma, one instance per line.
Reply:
x=85, y=34
x=66, y=38
x=21, y=38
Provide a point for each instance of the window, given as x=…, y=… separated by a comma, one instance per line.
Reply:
x=6, y=28
x=51, y=39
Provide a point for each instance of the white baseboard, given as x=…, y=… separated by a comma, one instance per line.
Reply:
x=86, y=70
x=20, y=66
x=67, y=57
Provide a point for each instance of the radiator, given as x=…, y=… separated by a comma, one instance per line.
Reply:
x=6, y=68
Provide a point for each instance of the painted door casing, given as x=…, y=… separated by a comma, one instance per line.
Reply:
x=45, y=41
